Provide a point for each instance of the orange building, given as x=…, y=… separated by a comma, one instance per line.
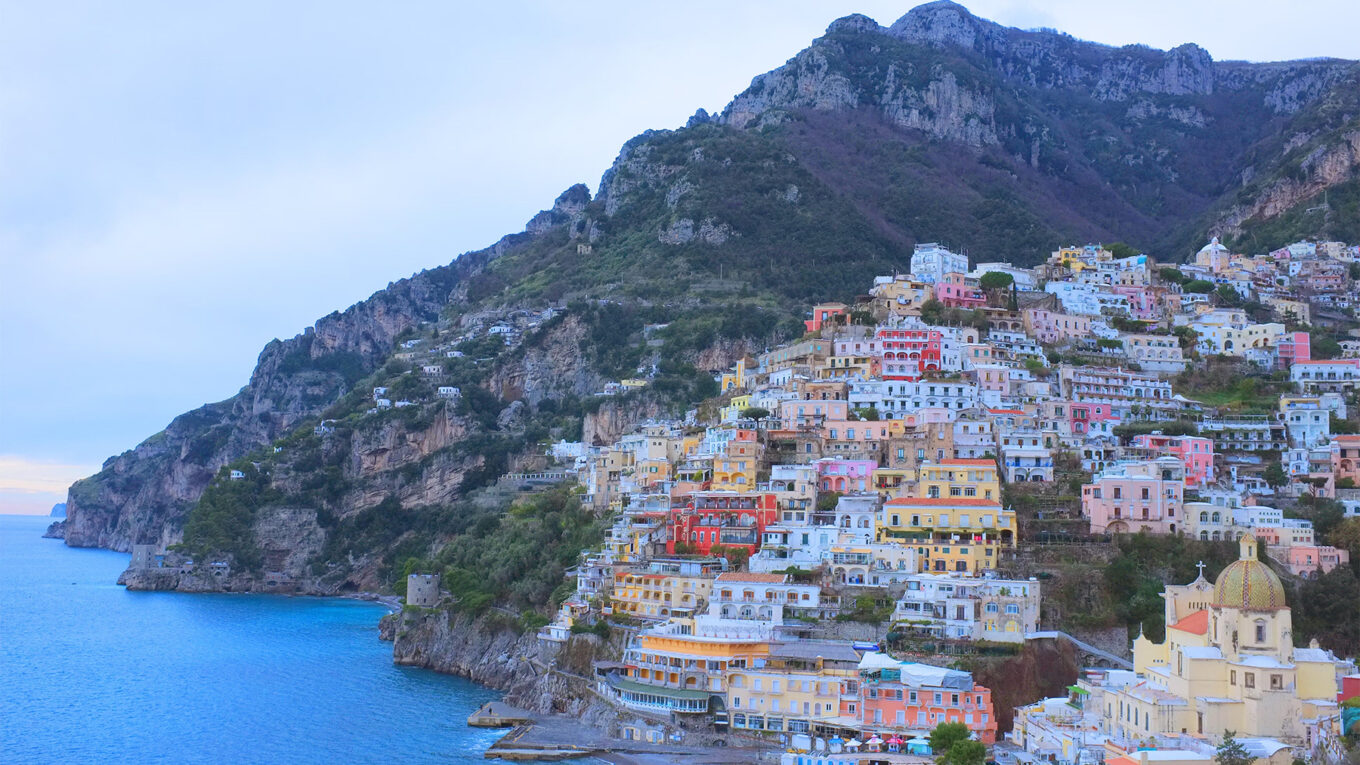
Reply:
x=906, y=697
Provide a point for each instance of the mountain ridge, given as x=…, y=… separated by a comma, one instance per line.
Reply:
x=819, y=176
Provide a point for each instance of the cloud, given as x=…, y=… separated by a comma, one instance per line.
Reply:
x=31, y=487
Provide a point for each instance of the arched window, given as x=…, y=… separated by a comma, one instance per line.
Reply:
x=1260, y=630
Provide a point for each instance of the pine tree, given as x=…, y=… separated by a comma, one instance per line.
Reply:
x=1231, y=751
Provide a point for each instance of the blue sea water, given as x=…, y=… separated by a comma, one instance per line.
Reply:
x=92, y=673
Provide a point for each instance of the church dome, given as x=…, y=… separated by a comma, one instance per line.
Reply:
x=1248, y=583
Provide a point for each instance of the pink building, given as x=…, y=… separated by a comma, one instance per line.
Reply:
x=958, y=291
x=811, y=413
x=844, y=433
x=1143, y=302
x=994, y=378
x=845, y=476
x=1195, y=452
x=1310, y=561
x=1130, y=497
x=1055, y=327
x=1292, y=347
x=1084, y=414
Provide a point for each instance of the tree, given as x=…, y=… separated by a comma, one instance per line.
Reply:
x=868, y=413
x=1328, y=609
x=1013, y=304
x=932, y=312
x=1187, y=337
x=1346, y=536
x=1275, y=475
x=1227, y=295
x=1325, y=347
x=1172, y=275
x=1122, y=250
x=996, y=280
x=756, y=413
x=977, y=319
x=945, y=736
x=1201, y=286
x=966, y=752
x=1231, y=751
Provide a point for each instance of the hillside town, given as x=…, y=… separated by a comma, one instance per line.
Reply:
x=855, y=491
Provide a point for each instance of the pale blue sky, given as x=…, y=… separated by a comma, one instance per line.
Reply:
x=185, y=181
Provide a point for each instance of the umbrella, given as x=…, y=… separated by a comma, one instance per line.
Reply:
x=854, y=743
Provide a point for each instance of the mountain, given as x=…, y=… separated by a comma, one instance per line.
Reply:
x=709, y=241
x=58, y=510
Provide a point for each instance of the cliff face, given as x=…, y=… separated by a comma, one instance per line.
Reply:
x=1183, y=135
x=535, y=675
x=141, y=496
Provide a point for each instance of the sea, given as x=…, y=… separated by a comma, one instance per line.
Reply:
x=92, y=673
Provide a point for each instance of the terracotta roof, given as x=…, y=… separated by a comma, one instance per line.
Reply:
x=1327, y=361
x=943, y=502
x=753, y=578
x=988, y=463
x=1009, y=411
x=1197, y=623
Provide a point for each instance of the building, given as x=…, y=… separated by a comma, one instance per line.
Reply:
x=721, y=519
x=422, y=590
x=1332, y=375
x=954, y=607
x=899, y=697
x=798, y=689
x=1130, y=497
x=1196, y=453
x=822, y=314
x=1228, y=663
x=930, y=262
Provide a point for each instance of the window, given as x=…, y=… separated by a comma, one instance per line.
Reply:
x=1277, y=682
x=1249, y=680
x=1260, y=631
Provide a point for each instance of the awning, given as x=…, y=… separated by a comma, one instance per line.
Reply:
x=1078, y=690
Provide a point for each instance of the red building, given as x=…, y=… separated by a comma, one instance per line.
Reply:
x=906, y=354
x=723, y=518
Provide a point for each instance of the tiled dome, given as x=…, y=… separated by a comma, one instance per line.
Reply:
x=1248, y=583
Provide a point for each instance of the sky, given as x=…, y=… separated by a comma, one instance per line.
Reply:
x=182, y=182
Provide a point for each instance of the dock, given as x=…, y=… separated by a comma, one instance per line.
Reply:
x=495, y=714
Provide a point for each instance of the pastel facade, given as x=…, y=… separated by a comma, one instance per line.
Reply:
x=1195, y=453
x=1130, y=497
x=1228, y=663
x=910, y=698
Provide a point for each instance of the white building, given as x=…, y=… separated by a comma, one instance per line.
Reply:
x=969, y=608
x=930, y=262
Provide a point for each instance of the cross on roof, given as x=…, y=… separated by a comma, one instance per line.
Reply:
x=1200, y=566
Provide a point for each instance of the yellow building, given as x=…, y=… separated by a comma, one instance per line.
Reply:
x=732, y=412
x=648, y=595
x=675, y=657
x=735, y=470
x=1228, y=662
x=893, y=483
x=798, y=689
x=735, y=379
x=954, y=478
x=962, y=534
